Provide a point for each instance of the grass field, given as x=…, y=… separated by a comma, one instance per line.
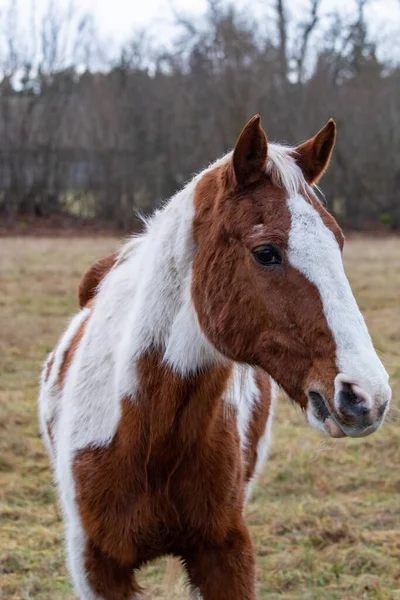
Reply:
x=325, y=517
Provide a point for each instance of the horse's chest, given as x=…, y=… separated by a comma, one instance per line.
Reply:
x=198, y=471
x=179, y=487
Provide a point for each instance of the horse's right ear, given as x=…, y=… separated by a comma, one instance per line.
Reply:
x=250, y=153
x=313, y=156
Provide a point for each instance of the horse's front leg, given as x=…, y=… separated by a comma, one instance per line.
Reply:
x=224, y=572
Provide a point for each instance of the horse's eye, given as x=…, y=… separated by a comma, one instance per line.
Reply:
x=267, y=255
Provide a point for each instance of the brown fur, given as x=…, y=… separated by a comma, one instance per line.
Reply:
x=250, y=154
x=49, y=427
x=108, y=577
x=49, y=366
x=70, y=353
x=93, y=276
x=313, y=156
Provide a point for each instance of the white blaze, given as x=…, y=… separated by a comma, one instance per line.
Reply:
x=314, y=251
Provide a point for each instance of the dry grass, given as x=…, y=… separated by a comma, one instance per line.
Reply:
x=325, y=517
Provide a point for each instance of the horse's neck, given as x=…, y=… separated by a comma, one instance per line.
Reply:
x=143, y=306
x=184, y=407
x=161, y=312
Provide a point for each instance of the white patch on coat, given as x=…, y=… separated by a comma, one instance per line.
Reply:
x=314, y=251
x=245, y=394
x=264, y=443
x=48, y=401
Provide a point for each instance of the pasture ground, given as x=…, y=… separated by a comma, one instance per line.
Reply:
x=325, y=517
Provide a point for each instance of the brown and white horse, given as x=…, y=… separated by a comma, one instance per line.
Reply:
x=156, y=404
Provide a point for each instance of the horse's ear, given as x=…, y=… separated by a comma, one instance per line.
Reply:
x=250, y=153
x=313, y=156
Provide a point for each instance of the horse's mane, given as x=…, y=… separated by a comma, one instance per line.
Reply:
x=283, y=168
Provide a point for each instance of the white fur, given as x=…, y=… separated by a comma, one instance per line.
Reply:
x=243, y=385
x=49, y=404
x=283, y=168
x=264, y=442
x=247, y=395
x=314, y=251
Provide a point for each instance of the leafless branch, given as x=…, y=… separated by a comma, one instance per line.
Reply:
x=308, y=28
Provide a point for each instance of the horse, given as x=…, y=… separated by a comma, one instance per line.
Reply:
x=156, y=405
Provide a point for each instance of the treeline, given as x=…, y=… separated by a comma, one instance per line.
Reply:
x=98, y=142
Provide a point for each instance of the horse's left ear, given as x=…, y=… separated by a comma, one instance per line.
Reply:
x=250, y=153
x=313, y=156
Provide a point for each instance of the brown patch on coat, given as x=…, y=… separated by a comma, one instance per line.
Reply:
x=49, y=423
x=49, y=427
x=49, y=366
x=171, y=480
x=93, y=276
x=257, y=423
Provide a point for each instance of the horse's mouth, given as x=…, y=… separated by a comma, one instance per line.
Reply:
x=324, y=415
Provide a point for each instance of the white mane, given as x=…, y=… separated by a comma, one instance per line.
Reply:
x=283, y=168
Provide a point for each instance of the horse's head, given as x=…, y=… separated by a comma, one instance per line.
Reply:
x=269, y=286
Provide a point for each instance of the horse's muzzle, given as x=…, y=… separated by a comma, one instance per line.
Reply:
x=353, y=412
x=356, y=411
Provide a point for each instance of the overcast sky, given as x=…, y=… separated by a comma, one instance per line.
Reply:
x=119, y=16
x=117, y=19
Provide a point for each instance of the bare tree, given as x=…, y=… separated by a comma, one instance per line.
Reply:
x=307, y=28
x=282, y=31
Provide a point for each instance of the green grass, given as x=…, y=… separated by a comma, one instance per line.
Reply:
x=325, y=517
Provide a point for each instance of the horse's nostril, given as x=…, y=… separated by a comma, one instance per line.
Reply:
x=351, y=404
x=319, y=406
x=352, y=396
